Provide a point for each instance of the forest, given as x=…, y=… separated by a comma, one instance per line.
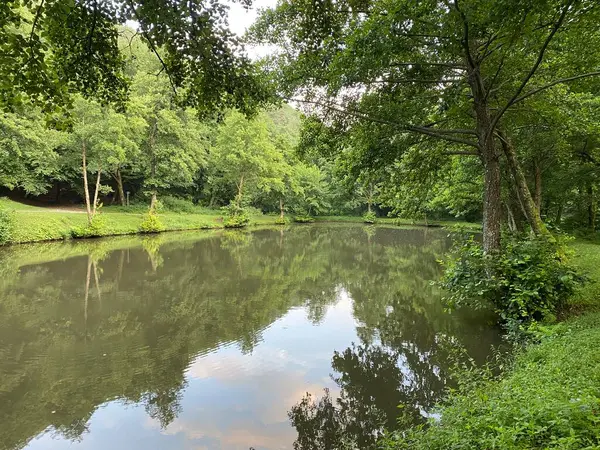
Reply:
x=125, y=116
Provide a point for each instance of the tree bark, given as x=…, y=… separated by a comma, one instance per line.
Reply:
x=532, y=213
x=559, y=212
x=281, y=213
x=120, y=190
x=492, y=201
x=97, y=191
x=538, y=187
x=86, y=188
x=591, y=208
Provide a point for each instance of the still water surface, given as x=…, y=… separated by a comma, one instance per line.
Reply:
x=213, y=340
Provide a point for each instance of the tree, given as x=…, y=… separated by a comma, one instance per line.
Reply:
x=28, y=156
x=44, y=61
x=100, y=138
x=245, y=159
x=400, y=73
x=175, y=143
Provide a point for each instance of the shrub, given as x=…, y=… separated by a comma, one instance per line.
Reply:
x=151, y=224
x=178, y=205
x=303, y=219
x=369, y=217
x=94, y=229
x=235, y=216
x=529, y=279
x=6, y=225
x=280, y=221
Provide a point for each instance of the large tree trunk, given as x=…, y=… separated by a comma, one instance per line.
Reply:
x=281, y=212
x=538, y=187
x=531, y=211
x=120, y=190
x=86, y=188
x=492, y=201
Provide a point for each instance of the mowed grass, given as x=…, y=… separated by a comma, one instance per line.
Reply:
x=33, y=224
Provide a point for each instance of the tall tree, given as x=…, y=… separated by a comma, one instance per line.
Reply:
x=407, y=72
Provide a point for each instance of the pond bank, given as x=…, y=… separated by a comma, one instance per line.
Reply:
x=548, y=398
x=38, y=224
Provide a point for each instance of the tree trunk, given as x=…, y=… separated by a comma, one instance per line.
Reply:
x=240, y=192
x=559, y=214
x=512, y=224
x=97, y=191
x=492, y=201
x=591, y=208
x=86, y=188
x=538, y=187
x=281, y=213
x=120, y=190
x=531, y=211
x=153, y=201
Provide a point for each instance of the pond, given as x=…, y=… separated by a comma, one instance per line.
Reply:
x=213, y=340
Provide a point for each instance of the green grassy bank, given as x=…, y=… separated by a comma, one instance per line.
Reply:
x=549, y=398
x=35, y=224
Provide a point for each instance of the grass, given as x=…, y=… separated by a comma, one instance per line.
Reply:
x=35, y=224
x=548, y=399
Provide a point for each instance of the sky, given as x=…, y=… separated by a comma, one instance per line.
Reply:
x=240, y=19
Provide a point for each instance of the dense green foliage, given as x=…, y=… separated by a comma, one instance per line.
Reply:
x=459, y=106
x=531, y=279
x=549, y=400
x=44, y=62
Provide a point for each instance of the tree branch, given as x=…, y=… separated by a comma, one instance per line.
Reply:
x=536, y=65
x=443, y=134
x=153, y=47
x=554, y=83
x=38, y=13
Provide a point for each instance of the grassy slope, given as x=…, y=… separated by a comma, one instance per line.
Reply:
x=550, y=399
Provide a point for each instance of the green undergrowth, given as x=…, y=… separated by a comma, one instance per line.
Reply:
x=549, y=399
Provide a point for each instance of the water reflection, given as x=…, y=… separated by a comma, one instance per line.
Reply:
x=208, y=341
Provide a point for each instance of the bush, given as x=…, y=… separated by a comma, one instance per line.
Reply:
x=280, y=221
x=6, y=225
x=369, y=217
x=235, y=216
x=549, y=399
x=151, y=224
x=304, y=219
x=94, y=229
x=178, y=205
x=530, y=279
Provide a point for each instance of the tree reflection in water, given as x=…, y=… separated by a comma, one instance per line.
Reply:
x=94, y=323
